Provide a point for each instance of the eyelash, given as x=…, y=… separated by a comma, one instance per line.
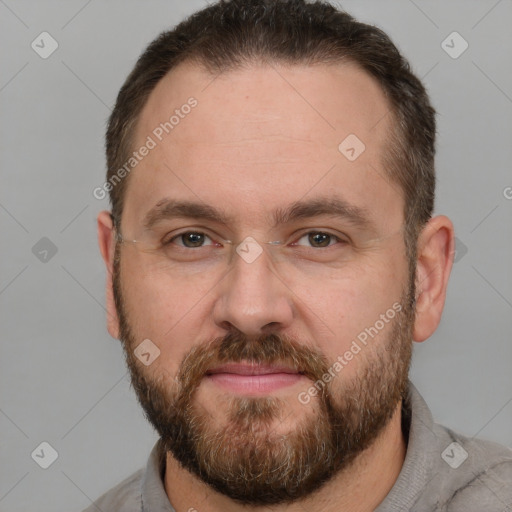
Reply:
x=175, y=237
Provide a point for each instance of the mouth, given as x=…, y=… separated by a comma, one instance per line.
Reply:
x=251, y=369
x=253, y=379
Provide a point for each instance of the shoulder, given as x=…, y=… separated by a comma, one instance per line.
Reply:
x=476, y=474
x=446, y=471
x=125, y=497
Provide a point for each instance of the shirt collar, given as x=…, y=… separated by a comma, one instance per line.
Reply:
x=417, y=470
x=154, y=497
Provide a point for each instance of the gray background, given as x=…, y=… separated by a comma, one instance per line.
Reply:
x=62, y=378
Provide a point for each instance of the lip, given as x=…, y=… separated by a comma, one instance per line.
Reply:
x=251, y=369
x=253, y=379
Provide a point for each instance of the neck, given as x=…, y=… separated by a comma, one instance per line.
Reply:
x=360, y=487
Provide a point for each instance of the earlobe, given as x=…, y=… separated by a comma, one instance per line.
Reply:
x=434, y=264
x=107, y=245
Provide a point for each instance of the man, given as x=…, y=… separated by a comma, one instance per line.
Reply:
x=271, y=255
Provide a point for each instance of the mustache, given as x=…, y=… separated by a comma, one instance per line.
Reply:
x=237, y=347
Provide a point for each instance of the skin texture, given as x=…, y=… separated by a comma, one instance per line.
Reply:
x=258, y=140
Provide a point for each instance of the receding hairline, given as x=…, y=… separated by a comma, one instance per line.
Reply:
x=197, y=63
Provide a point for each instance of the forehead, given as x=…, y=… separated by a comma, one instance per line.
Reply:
x=262, y=136
x=268, y=99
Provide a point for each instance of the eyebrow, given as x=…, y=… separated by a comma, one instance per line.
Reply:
x=323, y=206
x=168, y=208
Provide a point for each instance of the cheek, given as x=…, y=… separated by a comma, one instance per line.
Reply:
x=157, y=293
x=352, y=314
x=165, y=310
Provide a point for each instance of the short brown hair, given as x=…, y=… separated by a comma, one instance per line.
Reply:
x=230, y=34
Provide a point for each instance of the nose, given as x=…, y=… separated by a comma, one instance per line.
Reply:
x=253, y=298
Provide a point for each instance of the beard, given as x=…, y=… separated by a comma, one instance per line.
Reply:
x=243, y=456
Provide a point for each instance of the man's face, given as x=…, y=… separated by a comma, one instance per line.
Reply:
x=331, y=304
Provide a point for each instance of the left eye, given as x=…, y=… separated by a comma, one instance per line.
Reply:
x=319, y=239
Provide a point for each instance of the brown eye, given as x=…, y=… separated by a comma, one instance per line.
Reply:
x=319, y=239
x=192, y=239
x=189, y=239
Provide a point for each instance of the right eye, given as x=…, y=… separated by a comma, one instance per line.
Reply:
x=189, y=240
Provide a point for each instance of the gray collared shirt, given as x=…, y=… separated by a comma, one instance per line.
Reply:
x=443, y=472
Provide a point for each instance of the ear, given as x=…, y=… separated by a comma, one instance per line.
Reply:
x=106, y=241
x=436, y=250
